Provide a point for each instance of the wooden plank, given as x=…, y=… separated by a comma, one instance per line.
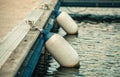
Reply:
x=12, y=12
x=16, y=35
x=10, y=68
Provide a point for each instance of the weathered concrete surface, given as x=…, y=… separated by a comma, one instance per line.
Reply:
x=16, y=56
x=12, y=12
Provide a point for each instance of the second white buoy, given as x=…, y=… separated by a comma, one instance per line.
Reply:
x=67, y=23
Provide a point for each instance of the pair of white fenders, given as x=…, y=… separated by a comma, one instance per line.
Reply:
x=58, y=47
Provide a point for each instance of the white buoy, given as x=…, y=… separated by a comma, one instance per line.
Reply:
x=62, y=51
x=67, y=23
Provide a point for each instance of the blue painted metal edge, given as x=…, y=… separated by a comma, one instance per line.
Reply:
x=91, y=4
x=32, y=59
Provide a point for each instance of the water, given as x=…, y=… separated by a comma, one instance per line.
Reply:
x=54, y=70
x=98, y=46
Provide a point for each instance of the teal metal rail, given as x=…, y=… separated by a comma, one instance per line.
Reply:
x=91, y=3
